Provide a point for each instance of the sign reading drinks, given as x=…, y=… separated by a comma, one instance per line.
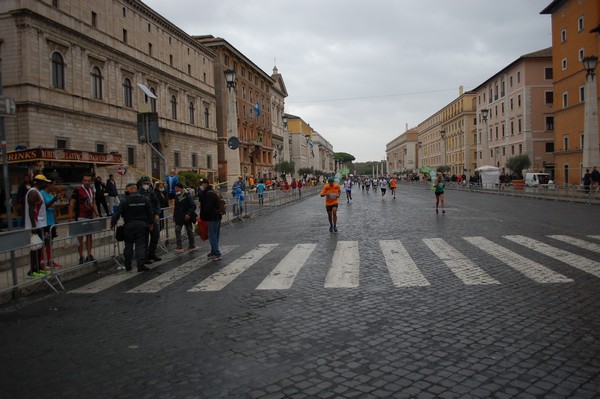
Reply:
x=51, y=154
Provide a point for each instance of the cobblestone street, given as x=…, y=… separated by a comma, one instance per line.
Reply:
x=497, y=298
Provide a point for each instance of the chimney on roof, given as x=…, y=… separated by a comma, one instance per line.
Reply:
x=461, y=90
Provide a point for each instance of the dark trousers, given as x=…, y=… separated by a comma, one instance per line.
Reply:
x=101, y=200
x=136, y=234
x=152, y=240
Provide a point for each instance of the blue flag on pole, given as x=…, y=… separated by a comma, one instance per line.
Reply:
x=257, y=109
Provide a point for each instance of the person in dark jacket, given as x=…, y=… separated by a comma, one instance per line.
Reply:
x=184, y=214
x=145, y=189
x=100, y=197
x=113, y=193
x=210, y=212
x=163, y=200
x=137, y=213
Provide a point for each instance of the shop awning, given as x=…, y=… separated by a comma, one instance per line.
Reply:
x=52, y=154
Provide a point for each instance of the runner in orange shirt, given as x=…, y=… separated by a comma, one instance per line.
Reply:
x=331, y=192
x=393, y=184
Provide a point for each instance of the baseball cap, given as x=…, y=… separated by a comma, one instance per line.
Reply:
x=331, y=178
x=41, y=177
x=145, y=178
x=202, y=181
x=130, y=184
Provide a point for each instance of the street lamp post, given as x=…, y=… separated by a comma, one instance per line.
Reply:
x=484, y=137
x=420, y=161
x=232, y=157
x=591, y=153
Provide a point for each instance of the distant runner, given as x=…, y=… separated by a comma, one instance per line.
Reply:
x=331, y=192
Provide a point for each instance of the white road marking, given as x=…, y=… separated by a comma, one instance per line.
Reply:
x=461, y=266
x=168, y=278
x=577, y=261
x=114, y=279
x=577, y=242
x=533, y=270
x=344, y=271
x=282, y=277
x=403, y=270
x=220, y=279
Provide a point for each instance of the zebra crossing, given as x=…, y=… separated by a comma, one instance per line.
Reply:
x=401, y=261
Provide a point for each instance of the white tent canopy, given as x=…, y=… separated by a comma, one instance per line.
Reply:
x=489, y=175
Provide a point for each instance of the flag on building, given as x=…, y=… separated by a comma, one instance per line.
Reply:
x=257, y=109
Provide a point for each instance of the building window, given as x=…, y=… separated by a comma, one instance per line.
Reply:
x=563, y=35
x=512, y=150
x=549, y=97
x=127, y=93
x=192, y=113
x=149, y=28
x=581, y=54
x=101, y=147
x=124, y=12
x=173, y=107
x=520, y=148
x=510, y=81
x=581, y=93
x=194, y=160
x=518, y=76
x=149, y=48
x=503, y=151
x=58, y=71
x=130, y=155
x=519, y=101
x=549, y=123
x=62, y=143
x=566, y=173
x=124, y=35
x=153, y=100
x=189, y=69
x=171, y=59
x=565, y=143
x=565, y=99
x=209, y=162
x=549, y=147
x=512, y=127
x=519, y=126
x=512, y=104
x=94, y=19
x=206, y=117
x=548, y=75
x=564, y=64
x=55, y=3
x=96, y=83
x=580, y=25
x=177, y=159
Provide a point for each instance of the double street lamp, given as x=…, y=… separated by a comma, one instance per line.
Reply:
x=484, y=137
x=591, y=153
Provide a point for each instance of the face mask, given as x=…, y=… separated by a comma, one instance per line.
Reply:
x=145, y=187
x=161, y=189
x=201, y=188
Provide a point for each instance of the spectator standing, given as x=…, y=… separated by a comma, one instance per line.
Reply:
x=595, y=176
x=112, y=193
x=587, y=181
x=19, y=206
x=184, y=214
x=260, y=190
x=145, y=190
x=163, y=201
x=49, y=201
x=210, y=212
x=100, y=197
x=299, y=188
x=136, y=211
x=82, y=206
x=35, y=219
x=239, y=183
x=171, y=181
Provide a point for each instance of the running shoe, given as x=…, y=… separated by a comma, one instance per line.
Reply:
x=331, y=229
x=335, y=229
x=215, y=257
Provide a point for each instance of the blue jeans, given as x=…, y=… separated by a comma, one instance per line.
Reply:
x=214, y=229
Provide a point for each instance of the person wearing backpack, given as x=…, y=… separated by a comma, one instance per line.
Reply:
x=211, y=212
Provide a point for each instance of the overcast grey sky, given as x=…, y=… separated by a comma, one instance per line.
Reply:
x=359, y=71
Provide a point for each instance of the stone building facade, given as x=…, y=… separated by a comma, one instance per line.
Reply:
x=74, y=69
x=401, y=153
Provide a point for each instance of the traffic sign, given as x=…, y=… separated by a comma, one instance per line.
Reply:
x=7, y=107
x=233, y=143
x=122, y=170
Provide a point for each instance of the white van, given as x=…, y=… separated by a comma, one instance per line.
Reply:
x=534, y=179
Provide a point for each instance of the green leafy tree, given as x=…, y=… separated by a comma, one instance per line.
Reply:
x=189, y=178
x=443, y=169
x=306, y=171
x=285, y=167
x=517, y=163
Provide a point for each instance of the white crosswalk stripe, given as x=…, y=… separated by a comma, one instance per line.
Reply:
x=529, y=268
x=219, y=280
x=577, y=261
x=577, y=242
x=282, y=277
x=344, y=265
x=595, y=237
x=168, y=278
x=461, y=266
x=344, y=270
x=403, y=269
